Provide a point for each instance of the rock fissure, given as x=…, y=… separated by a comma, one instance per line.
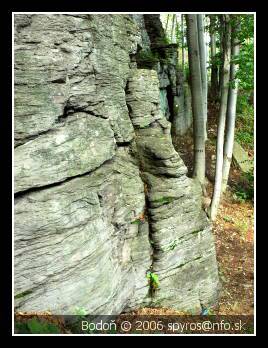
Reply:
x=54, y=184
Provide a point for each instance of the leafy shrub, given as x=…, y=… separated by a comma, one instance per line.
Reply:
x=244, y=190
x=245, y=121
x=146, y=59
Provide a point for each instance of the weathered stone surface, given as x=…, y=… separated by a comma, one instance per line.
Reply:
x=81, y=145
x=76, y=245
x=102, y=196
x=69, y=63
x=182, y=109
x=241, y=158
x=184, y=253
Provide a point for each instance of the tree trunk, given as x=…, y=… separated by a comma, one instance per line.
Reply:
x=222, y=117
x=167, y=24
x=182, y=44
x=231, y=114
x=177, y=32
x=197, y=99
x=221, y=68
x=214, y=85
x=203, y=65
x=172, y=28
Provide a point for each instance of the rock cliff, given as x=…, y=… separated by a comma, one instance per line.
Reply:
x=101, y=195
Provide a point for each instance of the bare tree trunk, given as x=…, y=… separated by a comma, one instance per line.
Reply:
x=182, y=43
x=220, y=68
x=231, y=114
x=203, y=65
x=197, y=98
x=172, y=28
x=177, y=34
x=167, y=24
x=222, y=117
x=214, y=85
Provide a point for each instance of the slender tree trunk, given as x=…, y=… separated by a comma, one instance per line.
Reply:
x=221, y=68
x=231, y=114
x=182, y=43
x=167, y=24
x=222, y=117
x=214, y=87
x=172, y=28
x=203, y=66
x=177, y=34
x=196, y=89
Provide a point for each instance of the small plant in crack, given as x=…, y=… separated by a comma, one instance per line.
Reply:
x=140, y=220
x=153, y=281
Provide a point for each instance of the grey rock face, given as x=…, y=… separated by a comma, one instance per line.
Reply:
x=81, y=145
x=102, y=197
x=241, y=158
x=182, y=109
x=184, y=254
x=175, y=96
x=66, y=64
x=76, y=246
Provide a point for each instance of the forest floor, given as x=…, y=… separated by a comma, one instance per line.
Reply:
x=234, y=236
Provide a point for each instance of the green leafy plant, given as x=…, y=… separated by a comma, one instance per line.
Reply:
x=146, y=59
x=136, y=222
x=36, y=326
x=75, y=325
x=80, y=311
x=164, y=200
x=22, y=294
x=227, y=219
x=153, y=281
x=244, y=190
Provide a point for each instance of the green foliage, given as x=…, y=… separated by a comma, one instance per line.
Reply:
x=165, y=40
x=35, y=326
x=227, y=219
x=245, y=60
x=245, y=121
x=164, y=200
x=22, y=294
x=243, y=26
x=217, y=60
x=81, y=311
x=240, y=195
x=146, y=59
x=244, y=190
x=153, y=280
x=244, y=33
x=244, y=138
x=136, y=222
x=187, y=73
x=75, y=326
